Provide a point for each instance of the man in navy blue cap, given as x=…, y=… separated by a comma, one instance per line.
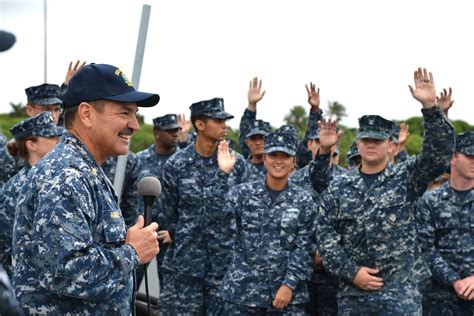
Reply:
x=72, y=252
x=196, y=181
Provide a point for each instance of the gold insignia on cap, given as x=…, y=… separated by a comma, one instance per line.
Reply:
x=115, y=214
x=94, y=171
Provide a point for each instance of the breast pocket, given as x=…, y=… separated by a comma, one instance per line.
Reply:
x=113, y=227
x=289, y=228
x=447, y=230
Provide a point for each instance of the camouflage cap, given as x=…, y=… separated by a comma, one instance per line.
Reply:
x=374, y=126
x=353, y=151
x=213, y=108
x=40, y=125
x=45, y=94
x=465, y=143
x=395, y=132
x=166, y=122
x=259, y=127
x=105, y=82
x=281, y=142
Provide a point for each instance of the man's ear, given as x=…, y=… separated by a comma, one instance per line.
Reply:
x=200, y=125
x=30, y=111
x=85, y=113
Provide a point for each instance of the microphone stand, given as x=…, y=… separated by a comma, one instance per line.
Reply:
x=148, y=201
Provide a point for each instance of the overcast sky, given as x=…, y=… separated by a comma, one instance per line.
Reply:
x=360, y=53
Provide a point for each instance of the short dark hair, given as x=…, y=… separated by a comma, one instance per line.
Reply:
x=70, y=112
x=200, y=118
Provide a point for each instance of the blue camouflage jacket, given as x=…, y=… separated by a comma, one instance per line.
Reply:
x=130, y=201
x=375, y=227
x=68, y=243
x=8, y=198
x=272, y=244
x=194, y=192
x=446, y=231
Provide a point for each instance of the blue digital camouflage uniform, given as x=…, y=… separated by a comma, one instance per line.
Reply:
x=445, y=225
x=303, y=154
x=68, y=243
x=272, y=243
x=40, y=125
x=152, y=165
x=245, y=125
x=257, y=172
x=130, y=201
x=194, y=193
x=375, y=227
x=8, y=304
x=8, y=198
x=8, y=166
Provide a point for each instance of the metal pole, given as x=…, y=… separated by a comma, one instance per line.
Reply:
x=45, y=31
x=137, y=69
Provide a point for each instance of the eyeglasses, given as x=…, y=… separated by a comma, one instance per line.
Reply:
x=51, y=108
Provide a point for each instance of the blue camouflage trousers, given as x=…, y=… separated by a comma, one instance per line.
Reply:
x=187, y=295
x=230, y=309
x=404, y=300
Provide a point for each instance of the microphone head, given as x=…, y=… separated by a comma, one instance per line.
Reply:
x=149, y=186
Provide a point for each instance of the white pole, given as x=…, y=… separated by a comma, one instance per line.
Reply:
x=45, y=32
x=137, y=69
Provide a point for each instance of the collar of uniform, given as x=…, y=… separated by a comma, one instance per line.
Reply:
x=448, y=193
x=68, y=138
x=358, y=182
x=262, y=191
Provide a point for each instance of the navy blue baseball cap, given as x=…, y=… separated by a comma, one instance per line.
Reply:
x=105, y=82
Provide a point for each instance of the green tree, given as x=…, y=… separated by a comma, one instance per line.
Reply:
x=336, y=109
x=18, y=109
x=299, y=118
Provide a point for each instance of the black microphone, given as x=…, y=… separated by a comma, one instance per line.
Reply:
x=149, y=188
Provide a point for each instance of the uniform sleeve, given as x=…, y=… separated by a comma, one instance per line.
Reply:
x=438, y=148
x=130, y=201
x=319, y=172
x=440, y=269
x=68, y=260
x=300, y=261
x=169, y=198
x=334, y=257
x=246, y=123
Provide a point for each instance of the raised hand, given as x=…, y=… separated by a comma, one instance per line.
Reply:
x=328, y=135
x=185, y=125
x=444, y=100
x=404, y=133
x=313, y=96
x=225, y=158
x=424, y=91
x=72, y=70
x=255, y=93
